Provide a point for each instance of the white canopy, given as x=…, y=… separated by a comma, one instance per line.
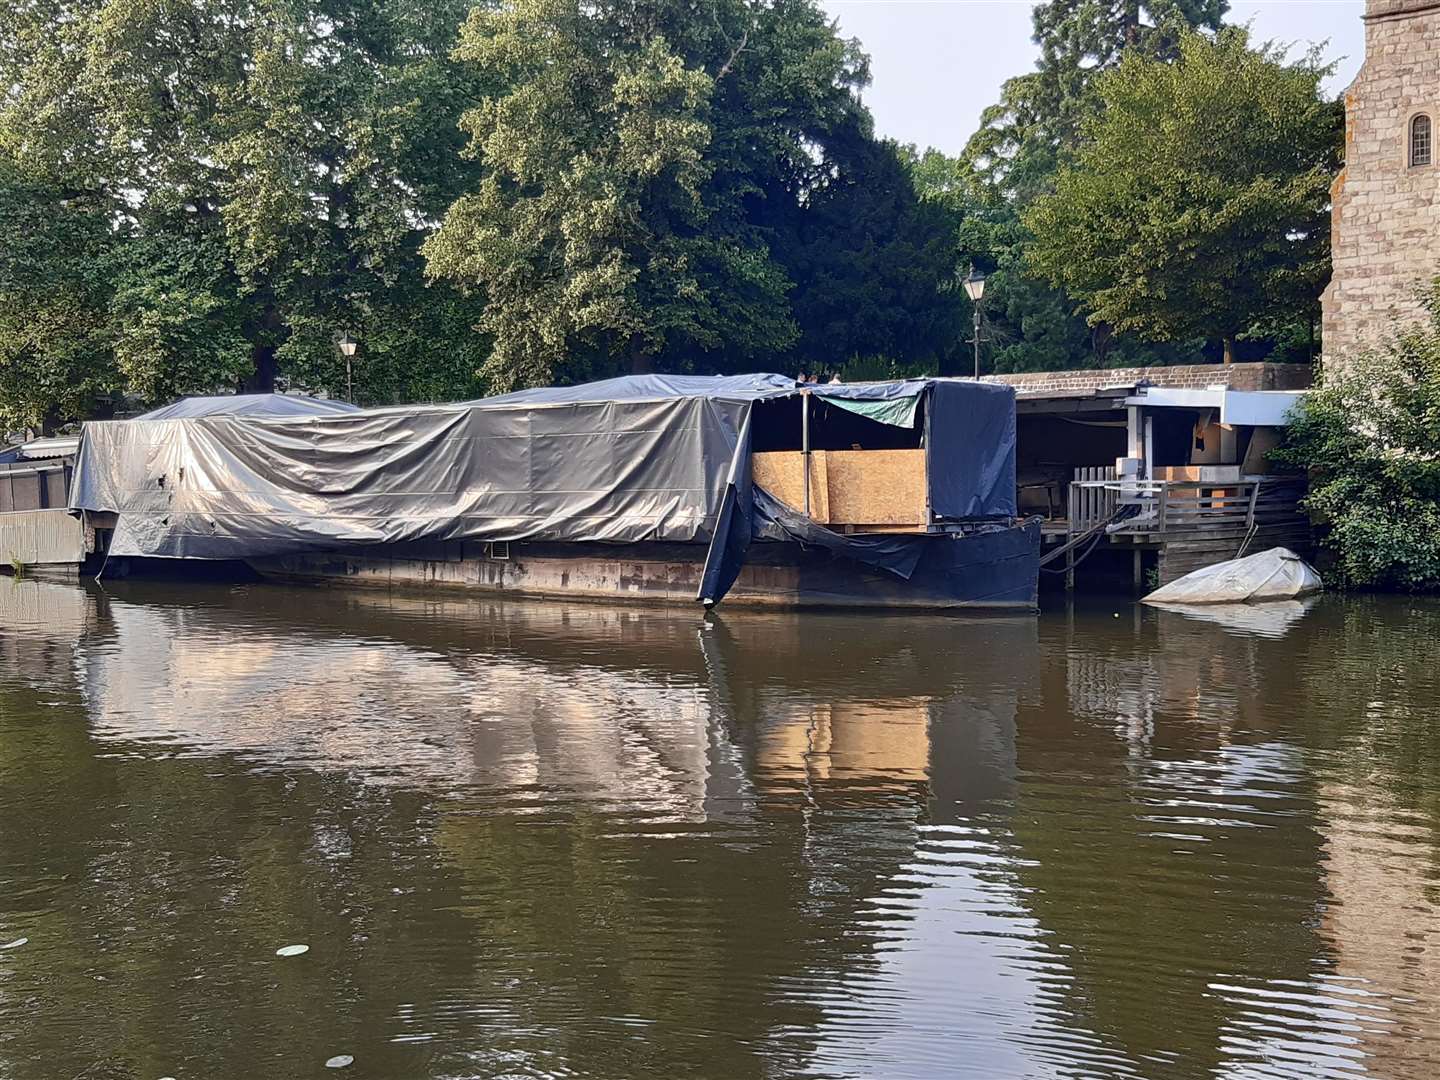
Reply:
x=1250, y=408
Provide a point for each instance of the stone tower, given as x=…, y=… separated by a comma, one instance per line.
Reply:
x=1385, y=231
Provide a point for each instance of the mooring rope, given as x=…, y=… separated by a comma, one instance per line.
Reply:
x=1093, y=535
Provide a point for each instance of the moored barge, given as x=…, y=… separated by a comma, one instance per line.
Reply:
x=753, y=489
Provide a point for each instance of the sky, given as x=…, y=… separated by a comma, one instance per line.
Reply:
x=936, y=64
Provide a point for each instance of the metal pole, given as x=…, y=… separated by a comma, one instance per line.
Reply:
x=805, y=443
x=1072, y=531
x=349, y=389
x=977, y=339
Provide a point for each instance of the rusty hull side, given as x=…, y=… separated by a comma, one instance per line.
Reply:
x=996, y=570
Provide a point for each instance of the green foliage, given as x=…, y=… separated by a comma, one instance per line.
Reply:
x=416, y=344
x=880, y=369
x=586, y=230
x=688, y=188
x=874, y=265
x=1028, y=325
x=260, y=175
x=1035, y=127
x=200, y=196
x=177, y=323
x=56, y=260
x=1199, y=201
x=1023, y=141
x=1370, y=437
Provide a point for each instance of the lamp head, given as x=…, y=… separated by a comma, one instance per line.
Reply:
x=975, y=285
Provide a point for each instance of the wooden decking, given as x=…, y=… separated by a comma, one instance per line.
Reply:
x=1188, y=524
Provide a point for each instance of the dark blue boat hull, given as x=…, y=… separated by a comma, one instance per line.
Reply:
x=998, y=569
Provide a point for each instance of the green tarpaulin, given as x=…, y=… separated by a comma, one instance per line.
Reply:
x=899, y=411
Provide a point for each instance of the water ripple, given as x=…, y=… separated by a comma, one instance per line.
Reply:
x=527, y=840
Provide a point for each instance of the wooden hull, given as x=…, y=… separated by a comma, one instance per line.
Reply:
x=996, y=570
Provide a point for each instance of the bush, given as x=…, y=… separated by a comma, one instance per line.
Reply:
x=1370, y=437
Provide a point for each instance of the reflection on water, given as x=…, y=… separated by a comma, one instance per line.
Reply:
x=550, y=840
x=1268, y=620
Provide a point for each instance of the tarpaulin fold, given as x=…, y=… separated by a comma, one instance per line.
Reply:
x=894, y=552
x=249, y=405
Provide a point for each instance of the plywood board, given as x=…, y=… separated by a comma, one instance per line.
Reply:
x=1262, y=442
x=876, y=487
x=782, y=474
x=849, y=487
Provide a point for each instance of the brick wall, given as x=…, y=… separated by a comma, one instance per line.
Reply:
x=1382, y=9
x=1385, y=221
x=1181, y=376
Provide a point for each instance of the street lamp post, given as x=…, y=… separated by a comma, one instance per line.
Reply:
x=975, y=290
x=347, y=347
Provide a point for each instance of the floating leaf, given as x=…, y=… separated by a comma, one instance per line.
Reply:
x=292, y=950
x=339, y=1061
x=15, y=944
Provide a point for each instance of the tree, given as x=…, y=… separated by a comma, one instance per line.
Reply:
x=1369, y=438
x=55, y=288
x=1026, y=327
x=264, y=175
x=654, y=185
x=585, y=229
x=1199, y=201
x=1012, y=159
x=1035, y=127
x=56, y=258
x=874, y=265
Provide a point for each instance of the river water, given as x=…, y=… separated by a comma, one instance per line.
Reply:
x=529, y=839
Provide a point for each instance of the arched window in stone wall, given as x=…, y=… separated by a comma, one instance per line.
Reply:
x=1422, y=150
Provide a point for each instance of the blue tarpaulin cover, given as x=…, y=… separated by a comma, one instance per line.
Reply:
x=646, y=457
x=972, y=450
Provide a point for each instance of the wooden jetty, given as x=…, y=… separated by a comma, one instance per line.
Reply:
x=1179, y=525
x=1151, y=473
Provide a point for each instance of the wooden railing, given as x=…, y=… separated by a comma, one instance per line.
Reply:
x=1239, y=508
x=1168, y=509
x=1094, y=495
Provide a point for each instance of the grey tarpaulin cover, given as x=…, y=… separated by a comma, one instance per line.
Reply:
x=649, y=457
x=248, y=405
x=1276, y=574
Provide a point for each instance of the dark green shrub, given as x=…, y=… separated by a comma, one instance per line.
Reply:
x=1370, y=437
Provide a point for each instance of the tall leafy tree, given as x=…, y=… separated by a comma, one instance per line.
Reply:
x=56, y=342
x=1199, y=201
x=873, y=264
x=265, y=171
x=1036, y=125
x=1028, y=326
x=587, y=229
x=1023, y=140
x=677, y=185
